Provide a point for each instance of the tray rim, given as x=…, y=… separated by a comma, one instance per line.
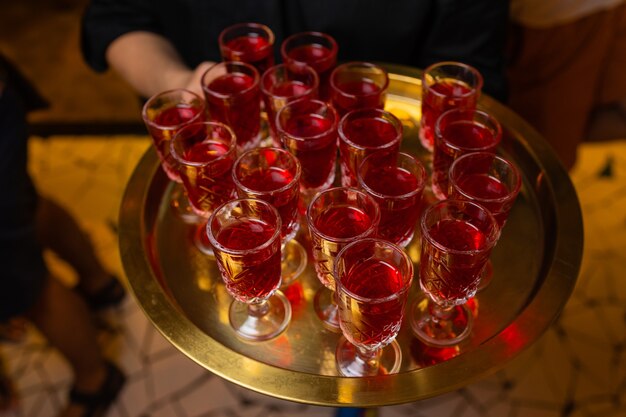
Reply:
x=493, y=354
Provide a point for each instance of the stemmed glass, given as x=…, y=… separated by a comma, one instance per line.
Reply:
x=396, y=181
x=273, y=175
x=282, y=84
x=373, y=278
x=252, y=43
x=205, y=153
x=245, y=234
x=489, y=180
x=358, y=85
x=445, y=86
x=457, y=239
x=458, y=132
x=316, y=49
x=335, y=218
x=164, y=114
x=233, y=96
x=308, y=129
x=363, y=132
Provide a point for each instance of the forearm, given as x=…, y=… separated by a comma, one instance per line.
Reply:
x=148, y=62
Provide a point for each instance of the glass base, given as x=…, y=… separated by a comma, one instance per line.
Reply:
x=326, y=309
x=349, y=363
x=440, y=327
x=294, y=260
x=262, y=322
x=179, y=202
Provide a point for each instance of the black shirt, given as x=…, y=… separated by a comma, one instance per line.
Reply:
x=409, y=32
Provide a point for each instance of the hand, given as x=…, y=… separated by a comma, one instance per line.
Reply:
x=195, y=77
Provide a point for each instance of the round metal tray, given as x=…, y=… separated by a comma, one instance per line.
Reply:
x=536, y=263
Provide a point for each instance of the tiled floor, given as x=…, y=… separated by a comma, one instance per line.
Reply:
x=578, y=368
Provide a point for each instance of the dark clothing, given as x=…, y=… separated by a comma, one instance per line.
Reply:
x=409, y=32
x=23, y=271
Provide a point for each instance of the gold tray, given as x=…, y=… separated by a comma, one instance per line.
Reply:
x=536, y=263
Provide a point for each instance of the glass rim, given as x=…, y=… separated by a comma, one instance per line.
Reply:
x=266, y=29
x=512, y=193
x=275, y=235
x=371, y=229
x=374, y=300
x=296, y=177
x=421, y=180
x=490, y=118
x=205, y=86
x=475, y=90
x=367, y=64
x=322, y=104
x=180, y=159
x=307, y=68
x=394, y=119
x=492, y=238
x=148, y=121
x=334, y=48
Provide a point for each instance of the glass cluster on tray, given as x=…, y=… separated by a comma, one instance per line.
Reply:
x=281, y=160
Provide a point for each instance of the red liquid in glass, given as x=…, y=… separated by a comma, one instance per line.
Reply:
x=450, y=276
x=242, y=113
x=317, y=157
x=320, y=59
x=286, y=202
x=397, y=216
x=445, y=94
x=341, y=222
x=357, y=95
x=460, y=137
x=254, y=50
x=257, y=274
x=283, y=93
x=377, y=323
x=210, y=184
x=169, y=121
x=368, y=134
x=486, y=187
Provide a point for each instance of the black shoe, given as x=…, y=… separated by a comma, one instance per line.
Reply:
x=97, y=403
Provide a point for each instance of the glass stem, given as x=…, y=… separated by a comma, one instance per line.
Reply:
x=370, y=359
x=440, y=313
x=259, y=309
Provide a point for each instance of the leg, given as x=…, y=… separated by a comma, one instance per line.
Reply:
x=59, y=231
x=63, y=318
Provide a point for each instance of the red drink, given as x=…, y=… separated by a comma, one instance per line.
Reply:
x=397, y=215
x=258, y=275
x=282, y=85
x=453, y=278
x=308, y=130
x=379, y=322
x=486, y=187
x=357, y=95
x=458, y=133
x=208, y=182
x=343, y=222
x=444, y=95
x=445, y=86
x=358, y=85
x=273, y=183
x=320, y=57
x=233, y=98
x=248, y=42
x=363, y=132
x=488, y=180
x=164, y=114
